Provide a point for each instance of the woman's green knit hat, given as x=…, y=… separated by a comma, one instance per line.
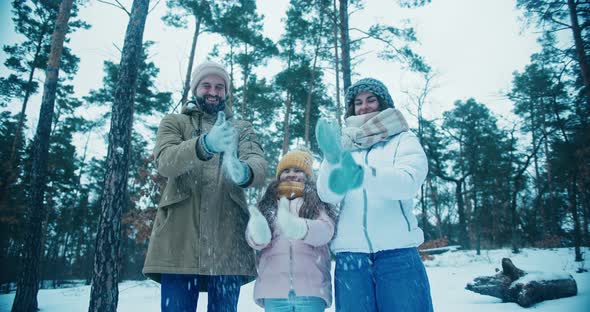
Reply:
x=370, y=85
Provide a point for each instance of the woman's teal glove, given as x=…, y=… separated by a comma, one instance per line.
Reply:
x=328, y=136
x=346, y=177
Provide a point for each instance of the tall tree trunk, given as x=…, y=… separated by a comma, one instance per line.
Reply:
x=104, y=293
x=477, y=212
x=514, y=217
x=345, y=45
x=337, y=66
x=245, y=83
x=423, y=205
x=539, y=196
x=574, y=208
x=286, y=138
x=312, y=78
x=12, y=169
x=28, y=281
x=435, y=203
x=585, y=211
x=230, y=100
x=546, y=208
x=187, y=80
x=463, y=236
x=579, y=43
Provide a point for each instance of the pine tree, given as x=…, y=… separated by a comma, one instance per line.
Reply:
x=104, y=291
x=177, y=15
x=35, y=20
x=556, y=15
x=239, y=23
x=26, y=295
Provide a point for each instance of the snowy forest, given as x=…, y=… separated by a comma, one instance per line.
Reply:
x=492, y=183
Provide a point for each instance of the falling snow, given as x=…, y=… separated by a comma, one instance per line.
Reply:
x=448, y=274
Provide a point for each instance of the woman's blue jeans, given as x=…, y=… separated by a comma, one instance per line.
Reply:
x=390, y=280
x=180, y=292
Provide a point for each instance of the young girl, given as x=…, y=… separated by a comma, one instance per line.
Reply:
x=291, y=227
x=375, y=169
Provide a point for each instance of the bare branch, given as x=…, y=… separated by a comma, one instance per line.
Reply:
x=118, y=49
x=118, y=5
x=155, y=5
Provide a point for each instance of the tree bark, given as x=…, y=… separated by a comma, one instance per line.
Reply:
x=574, y=208
x=525, y=293
x=424, y=217
x=463, y=236
x=337, y=67
x=312, y=78
x=514, y=217
x=104, y=293
x=245, y=83
x=230, y=99
x=435, y=203
x=345, y=45
x=287, y=124
x=187, y=81
x=579, y=43
x=585, y=213
x=28, y=281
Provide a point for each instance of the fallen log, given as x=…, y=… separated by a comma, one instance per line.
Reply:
x=525, y=288
x=439, y=250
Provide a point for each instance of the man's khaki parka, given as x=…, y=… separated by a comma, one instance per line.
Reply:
x=202, y=215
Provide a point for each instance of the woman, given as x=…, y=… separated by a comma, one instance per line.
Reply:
x=294, y=264
x=374, y=170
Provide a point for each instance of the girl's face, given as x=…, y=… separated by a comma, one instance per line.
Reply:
x=293, y=174
x=365, y=102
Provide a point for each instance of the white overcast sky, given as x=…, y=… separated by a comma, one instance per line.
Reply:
x=474, y=45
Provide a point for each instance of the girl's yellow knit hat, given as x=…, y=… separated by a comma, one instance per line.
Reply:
x=297, y=158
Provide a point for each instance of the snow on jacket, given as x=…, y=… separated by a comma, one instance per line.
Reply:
x=378, y=215
x=299, y=265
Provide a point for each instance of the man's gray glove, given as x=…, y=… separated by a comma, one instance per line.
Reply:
x=237, y=170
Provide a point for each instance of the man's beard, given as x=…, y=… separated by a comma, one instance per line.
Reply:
x=208, y=108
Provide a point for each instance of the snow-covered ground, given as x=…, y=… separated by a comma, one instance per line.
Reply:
x=448, y=273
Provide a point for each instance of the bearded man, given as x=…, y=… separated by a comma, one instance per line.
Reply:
x=197, y=242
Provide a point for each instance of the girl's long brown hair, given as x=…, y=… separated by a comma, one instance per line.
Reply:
x=312, y=204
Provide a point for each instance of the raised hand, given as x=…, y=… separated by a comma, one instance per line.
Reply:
x=220, y=138
x=346, y=177
x=258, y=227
x=328, y=137
x=236, y=169
x=291, y=226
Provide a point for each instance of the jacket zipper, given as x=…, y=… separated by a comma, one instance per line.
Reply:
x=291, y=287
x=401, y=207
x=197, y=132
x=365, y=207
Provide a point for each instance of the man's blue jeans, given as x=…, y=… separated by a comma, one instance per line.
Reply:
x=180, y=292
x=390, y=280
